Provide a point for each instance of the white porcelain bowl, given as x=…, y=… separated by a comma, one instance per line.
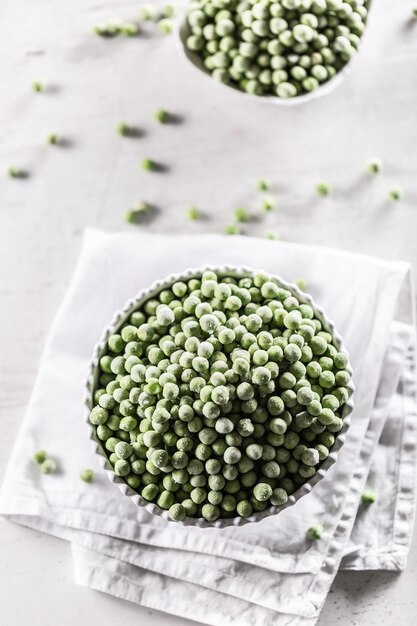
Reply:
x=183, y=31
x=120, y=318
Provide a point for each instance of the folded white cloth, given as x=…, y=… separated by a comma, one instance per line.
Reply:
x=268, y=571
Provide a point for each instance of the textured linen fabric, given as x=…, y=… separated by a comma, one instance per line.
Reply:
x=268, y=569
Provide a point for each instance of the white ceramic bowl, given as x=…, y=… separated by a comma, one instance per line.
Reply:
x=121, y=316
x=183, y=31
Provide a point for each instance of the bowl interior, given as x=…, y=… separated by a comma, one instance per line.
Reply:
x=123, y=315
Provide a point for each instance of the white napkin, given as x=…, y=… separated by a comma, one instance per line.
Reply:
x=268, y=570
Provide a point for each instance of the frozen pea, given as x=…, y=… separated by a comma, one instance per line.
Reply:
x=138, y=466
x=271, y=469
x=165, y=499
x=314, y=369
x=212, y=466
x=306, y=471
x=87, y=475
x=177, y=512
x=395, y=194
x=121, y=467
x=214, y=497
x=244, y=508
x=245, y=427
x=198, y=481
x=103, y=432
x=123, y=450
x=262, y=492
x=216, y=482
x=278, y=426
x=291, y=440
x=374, y=166
x=228, y=503
x=323, y=188
x=368, y=497
x=279, y=497
x=48, y=466
x=322, y=451
x=275, y=405
x=220, y=395
x=40, y=456
x=210, y=512
x=180, y=476
x=128, y=424
x=232, y=486
x=318, y=345
x=327, y=417
x=198, y=495
x=232, y=455
x=315, y=532
x=342, y=378
x=150, y=492
x=133, y=481
x=304, y=419
x=159, y=458
x=261, y=375
x=310, y=457
x=224, y=425
x=190, y=507
x=327, y=379
x=98, y=416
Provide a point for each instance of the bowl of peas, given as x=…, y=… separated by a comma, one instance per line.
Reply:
x=286, y=51
x=219, y=396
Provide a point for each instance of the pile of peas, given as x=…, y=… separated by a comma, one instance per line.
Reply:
x=283, y=48
x=220, y=396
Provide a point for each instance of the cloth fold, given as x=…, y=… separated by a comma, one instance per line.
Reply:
x=269, y=569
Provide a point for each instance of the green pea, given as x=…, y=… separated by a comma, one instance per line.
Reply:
x=87, y=475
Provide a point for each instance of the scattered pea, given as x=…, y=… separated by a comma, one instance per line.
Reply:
x=375, y=166
x=161, y=116
x=267, y=204
x=52, y=139
x=37, y=86
x=323, y=188
x=263, y=184
x=241, y=214
x=87, y=475
x=124, y=129
x=368, y=497
x=193, y=213
x=129, y=29
x=40, y=456
x=146, y=13
x=270, y=234
x=148, y=165
x=111, y=30
x=16, y=172
x=136, y=213
x=48, y=466
x=168, y=10
x=395, y=194
x=232, y=229
x=315, y=532
x=165, y=26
